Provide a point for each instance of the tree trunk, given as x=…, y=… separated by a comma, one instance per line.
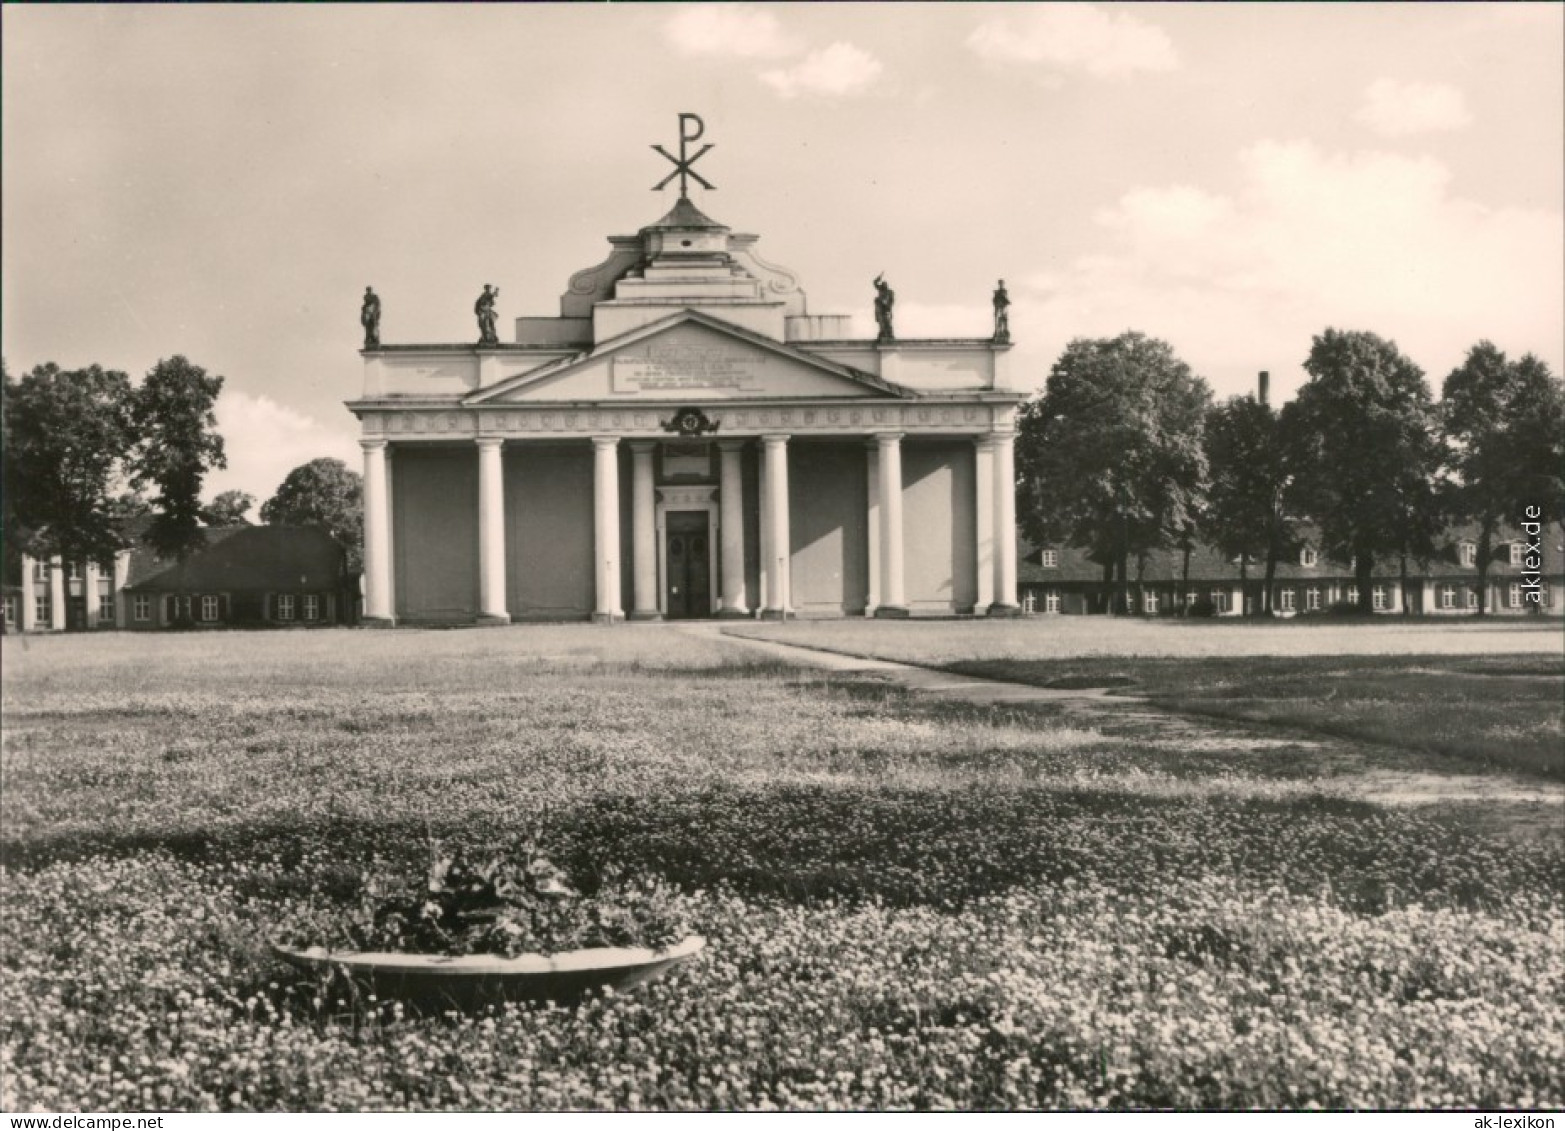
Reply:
x=1244, y=584
x=1363, y=574
x=1141, y=588
x=1271, y=579
x=1108, y=587
x=1485, y=549
x=1184, y=584
x=1402, y=583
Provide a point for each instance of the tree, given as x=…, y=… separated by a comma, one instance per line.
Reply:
x=1109, y=456
x=1361, y=431
x=1504, y=424
x=229, y=509
x=324, y=493
x=176, y=446
x=66, y=436
x=1245, y=513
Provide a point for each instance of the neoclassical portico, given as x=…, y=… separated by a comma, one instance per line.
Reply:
x=686, y=440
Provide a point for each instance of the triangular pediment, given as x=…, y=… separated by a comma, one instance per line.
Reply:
x=687, y=356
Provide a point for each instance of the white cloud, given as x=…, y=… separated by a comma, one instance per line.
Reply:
x=1075, y=37
x=841, y=69
x=1396, y=109
x=729, y=29
x=264, y=441
x=1367, y=240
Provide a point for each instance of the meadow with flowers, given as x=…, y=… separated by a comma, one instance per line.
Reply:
x=908, y=904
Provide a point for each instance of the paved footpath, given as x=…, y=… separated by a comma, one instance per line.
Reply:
x=920, y=681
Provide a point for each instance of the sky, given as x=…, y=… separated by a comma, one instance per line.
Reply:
x=223, y=182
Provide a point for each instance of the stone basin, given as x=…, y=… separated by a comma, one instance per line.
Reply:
x=464, y=980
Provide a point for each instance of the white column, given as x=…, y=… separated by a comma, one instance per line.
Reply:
x=1004, y=525
x=29, y=609
x=377, y=535
x=121, y=576
x=644, y=533
x=731, y=518
x=57, y=594
x=776, y=519
x=605, y=509
x=872, y=524
x=491, y=531
x=893, y=598
x=983, y=478
x=90, y=594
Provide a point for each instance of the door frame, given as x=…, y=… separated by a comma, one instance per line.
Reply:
x=703, y=498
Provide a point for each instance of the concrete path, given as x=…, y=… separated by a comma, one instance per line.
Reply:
x=920, y=681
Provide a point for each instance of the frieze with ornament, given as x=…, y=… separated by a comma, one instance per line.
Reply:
x=822, y=420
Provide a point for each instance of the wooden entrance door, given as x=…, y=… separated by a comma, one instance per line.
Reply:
x=687, y=574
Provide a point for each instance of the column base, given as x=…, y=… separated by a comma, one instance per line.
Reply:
x=377, y=622
x=493, y=620
x=651, y=614
x=733, y=614
x=891, y=612
x=607, y=618
x=1005, y=610
x=775, y=614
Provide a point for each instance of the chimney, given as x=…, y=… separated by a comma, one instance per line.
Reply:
x=1263, y=390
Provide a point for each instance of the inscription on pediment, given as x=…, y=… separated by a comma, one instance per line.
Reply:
x=682, y=366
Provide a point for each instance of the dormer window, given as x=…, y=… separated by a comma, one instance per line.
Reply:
x=1049, y=559
x=1308, y=558
x=1469, y=553
x=1518, y=553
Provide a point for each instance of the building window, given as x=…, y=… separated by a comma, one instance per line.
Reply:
x=1448, y=596
x=1518, y=553
x=106, y=608
x=1472, y=597
x=1049, y=559
x=141, y=607
x=1220, y=600
x=40, y=570
x=209, y=608
x=182, y=607
x=1469, y=553
x=1149, y=603
x=1378, y=596
x=1029, y=601
x=12, y=605
x=1312, y=599
x=1285, y=599
x=285, y=606
x=1514, y=598
x=312, y=607
x=1051, y=600
x=73, y=572
x=41, y=607
x=1308, y=557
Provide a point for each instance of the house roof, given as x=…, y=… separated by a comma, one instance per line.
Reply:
x=244, y=558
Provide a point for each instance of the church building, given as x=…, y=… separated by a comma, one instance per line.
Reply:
x=686, y=440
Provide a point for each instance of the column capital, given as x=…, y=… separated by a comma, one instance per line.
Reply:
x=984, y=442
x=888, y=439
x=602, y=443
x=639, y=446
x=731, y=445
x=775, y=438
x=489, y=441
x=373, y=445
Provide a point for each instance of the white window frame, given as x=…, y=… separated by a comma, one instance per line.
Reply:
x=1149, y=603
x=13, y=610
x=141, y=607
x=285, y=606
x=1312, y=599
x=1514, y=598
x=40, y=569
x=73, y=572
x=182, y=607
x=1469, y=552
x=1448, y=596
x=106, y=607
x=211, y=607
x=1029, y=601
x=1049, y=559
x=311, y=607
x=1219, y=600
x=42, y=608
x=1472, y=596
x=1377, y=598
x=1285, y=598
x=1051, y=600
x=1308, y=557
